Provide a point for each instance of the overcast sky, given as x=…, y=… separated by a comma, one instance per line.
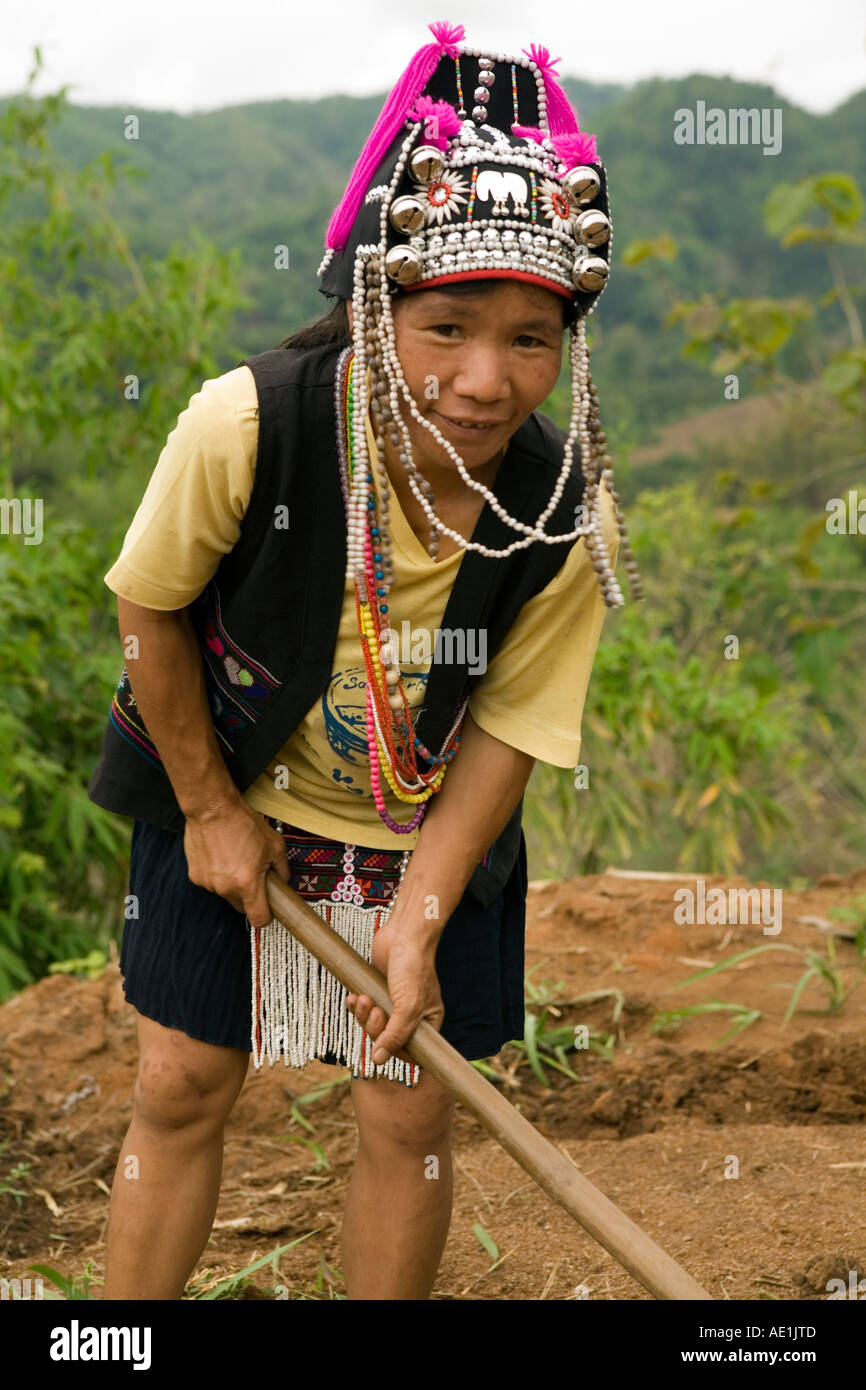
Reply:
x=186, y=55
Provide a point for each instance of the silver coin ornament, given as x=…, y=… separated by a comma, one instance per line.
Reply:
x=406, y=214
x=426, y=164
x=590, y=274
x=403, y=265
x=592, y=227
x=581, y=184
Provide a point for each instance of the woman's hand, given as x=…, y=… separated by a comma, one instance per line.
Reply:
x=229, y=850
x=409, y=967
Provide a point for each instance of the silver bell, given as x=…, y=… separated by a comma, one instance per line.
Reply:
x=590, y=274
x=427, y=164
x=403, y=265
x=592, y=227
x=581, y=184
x=406, y=214
x=481, y=95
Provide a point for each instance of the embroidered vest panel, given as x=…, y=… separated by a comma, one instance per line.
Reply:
x=267, y=622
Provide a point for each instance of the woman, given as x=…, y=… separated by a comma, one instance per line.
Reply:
x=342, y=544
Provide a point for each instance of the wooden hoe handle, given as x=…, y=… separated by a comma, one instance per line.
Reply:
x=550, y=1168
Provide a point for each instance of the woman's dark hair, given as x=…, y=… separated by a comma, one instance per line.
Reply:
x=333, y=327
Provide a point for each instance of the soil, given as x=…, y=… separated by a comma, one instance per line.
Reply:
x=744, y=1159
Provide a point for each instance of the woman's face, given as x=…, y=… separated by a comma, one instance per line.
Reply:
x=488, y=358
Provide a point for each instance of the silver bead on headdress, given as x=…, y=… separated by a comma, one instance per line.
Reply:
x=513, y=189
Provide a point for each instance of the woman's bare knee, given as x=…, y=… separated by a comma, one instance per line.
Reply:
x=182, y=1082
x=406, y=1118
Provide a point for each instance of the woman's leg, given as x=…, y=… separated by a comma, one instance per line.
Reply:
x=167, y=1180
x=398, y=1208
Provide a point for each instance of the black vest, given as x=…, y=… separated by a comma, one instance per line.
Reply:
x=267, y=622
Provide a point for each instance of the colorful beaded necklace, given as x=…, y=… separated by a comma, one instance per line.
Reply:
x=391, y=737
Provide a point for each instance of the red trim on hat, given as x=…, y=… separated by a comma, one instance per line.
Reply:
x=492, y=275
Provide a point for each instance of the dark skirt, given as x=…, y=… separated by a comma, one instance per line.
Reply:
x=185, y=959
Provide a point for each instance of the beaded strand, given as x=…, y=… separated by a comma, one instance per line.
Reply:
x=391, y=740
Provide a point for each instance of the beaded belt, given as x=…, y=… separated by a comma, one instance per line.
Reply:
x=299, y=1008
x=322, y=868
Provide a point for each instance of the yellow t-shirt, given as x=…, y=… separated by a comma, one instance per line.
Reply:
x=530, y=696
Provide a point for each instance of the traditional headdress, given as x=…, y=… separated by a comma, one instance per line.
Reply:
x=511, y=189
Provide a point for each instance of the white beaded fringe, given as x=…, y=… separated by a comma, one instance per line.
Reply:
x=302, y=1010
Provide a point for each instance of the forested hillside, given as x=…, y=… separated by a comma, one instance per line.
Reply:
x=269, y=174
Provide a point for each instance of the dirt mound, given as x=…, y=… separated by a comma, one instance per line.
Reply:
x=819, y=1080
x=825, y=1274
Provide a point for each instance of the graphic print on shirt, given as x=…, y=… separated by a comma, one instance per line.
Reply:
x=344, y=711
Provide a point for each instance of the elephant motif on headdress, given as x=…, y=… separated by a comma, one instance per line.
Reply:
x=499, y=185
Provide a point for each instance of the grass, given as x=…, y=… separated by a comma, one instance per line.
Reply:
x=71, y=1289
x=485, y=1239
x=310, y=1097
x=821, y=967
x=18, y=1172
x=204, y=1287
x=208, y=1285
x=91, y=967
x=854, y=912
x=546, y=1042
x=672, y=1018
x=322, y=1162
x=325, y=1284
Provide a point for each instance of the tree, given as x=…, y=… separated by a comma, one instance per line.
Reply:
x=694, y=754
x=97, y=350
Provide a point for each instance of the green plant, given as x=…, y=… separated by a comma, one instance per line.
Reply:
x=324, y=1286
x=854, y=913
x=84, y=319
x=296, y=1112
x=697, y=756
x=545, y=1043
x=70, y=1288
x=322, y=1162
x=818, y=967
x=312, y=1096
x=7, y=1184
x=672, y=1018
x=485, y=1239
x=92, y=966
x=753, y=331
x=229, y=1287
x=327, y=1279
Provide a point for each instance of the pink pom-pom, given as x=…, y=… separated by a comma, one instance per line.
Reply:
x=446, y=118
x=541, y=58
x=561, y=116
x=448, y=36
x=575, y=147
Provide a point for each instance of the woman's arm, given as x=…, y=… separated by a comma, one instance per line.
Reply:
x=166, y=675
x=481, y=789
x=228, y=846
